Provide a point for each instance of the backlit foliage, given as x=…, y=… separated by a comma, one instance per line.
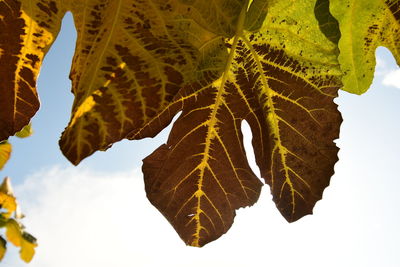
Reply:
x=10, y=220
x=278, y=64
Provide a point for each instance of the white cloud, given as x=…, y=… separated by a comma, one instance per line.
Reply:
x=392, y=78
x=380, y=62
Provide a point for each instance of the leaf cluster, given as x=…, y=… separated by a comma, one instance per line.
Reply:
x=276, y=64
x=10, y=216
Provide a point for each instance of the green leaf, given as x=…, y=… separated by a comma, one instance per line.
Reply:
x=327, y=23
x=282, y=80
x=256, y=15
x=365, y=25
x=217, y=16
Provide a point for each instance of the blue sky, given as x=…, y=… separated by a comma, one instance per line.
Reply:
x=97, y=214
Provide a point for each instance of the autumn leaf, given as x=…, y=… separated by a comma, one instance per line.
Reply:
x=139, y=63
x=282, y=80
x=7, y=198
x=3, y=247
x=25, y=132
x=131, y=59
x=28, y=245
x=365, y=25
x=27, y=29
x=20, y=238
x=5, y=153
x=15, y=233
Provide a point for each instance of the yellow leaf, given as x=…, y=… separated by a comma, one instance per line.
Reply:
x=28, y=245
x=5, y=152
x=6, y=187
x=25, y=132
x=3, y=247
x=8, y=202
x=13, y=232
x=7, y=199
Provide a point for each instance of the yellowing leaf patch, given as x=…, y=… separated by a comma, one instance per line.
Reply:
x=132, y=57
x=365, y=25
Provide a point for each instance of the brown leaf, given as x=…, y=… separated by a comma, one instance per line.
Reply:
x=27, y=29
x=201, y=175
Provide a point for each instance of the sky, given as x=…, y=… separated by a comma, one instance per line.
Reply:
x=97, y=214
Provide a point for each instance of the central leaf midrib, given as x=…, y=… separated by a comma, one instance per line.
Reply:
x=213, y=121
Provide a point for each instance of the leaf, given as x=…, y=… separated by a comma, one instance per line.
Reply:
x=7, y=198
x=131, y=59
x=5, y=153
x=217, y=16
x=20, y=238
x=365, y=25
x=14, y=232
x=327, y=23
x=25, y=132
x=256, y=15
x=282, y=80
x=28, y=245
x=14, y=229
x=27, y=29
x=3, y=247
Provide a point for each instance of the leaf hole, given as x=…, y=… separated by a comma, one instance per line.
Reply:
x=248, y=147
